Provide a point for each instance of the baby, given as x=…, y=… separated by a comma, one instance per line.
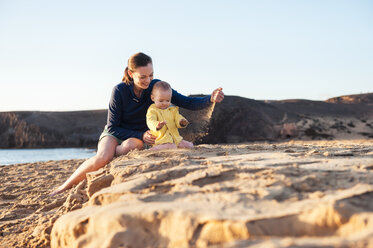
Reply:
x=163, y=120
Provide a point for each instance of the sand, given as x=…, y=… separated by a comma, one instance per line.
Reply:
x=288, y=194
x=27, y=211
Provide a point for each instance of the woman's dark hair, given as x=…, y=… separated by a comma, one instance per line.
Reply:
x=135, y=61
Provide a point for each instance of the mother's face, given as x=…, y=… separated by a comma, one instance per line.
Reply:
x=142, y=76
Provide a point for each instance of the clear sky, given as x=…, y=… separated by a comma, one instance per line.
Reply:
x=68, y=55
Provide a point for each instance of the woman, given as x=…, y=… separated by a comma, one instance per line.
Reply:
x=126, y=128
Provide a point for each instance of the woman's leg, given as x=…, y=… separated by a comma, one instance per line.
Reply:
x=164, y=146
x=128, y=145
x=185, y=144
x=105, y=153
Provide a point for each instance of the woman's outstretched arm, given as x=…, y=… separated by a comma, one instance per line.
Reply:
x=197, y=103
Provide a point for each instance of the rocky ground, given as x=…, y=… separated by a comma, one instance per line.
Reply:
x=280, y=194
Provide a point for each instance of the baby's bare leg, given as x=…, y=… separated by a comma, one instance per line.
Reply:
x=164, y=146
x=185, y=144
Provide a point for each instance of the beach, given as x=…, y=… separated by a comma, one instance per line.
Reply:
x=26, y=206
x=272, y=102
x=260, y=194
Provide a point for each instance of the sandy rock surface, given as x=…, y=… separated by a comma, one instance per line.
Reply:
x=269, y=195
x=290, y=194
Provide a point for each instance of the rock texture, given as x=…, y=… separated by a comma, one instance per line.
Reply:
x=235, y=120
x=295, y=194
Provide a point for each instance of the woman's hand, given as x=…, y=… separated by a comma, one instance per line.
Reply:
x=148, y=138
x=217, y=95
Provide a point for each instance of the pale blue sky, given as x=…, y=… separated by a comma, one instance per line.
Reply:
x=67, y=55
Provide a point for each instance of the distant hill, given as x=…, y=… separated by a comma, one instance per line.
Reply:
x=236, y=119
x=33, y=129
x=358, y=98
x=239, y=119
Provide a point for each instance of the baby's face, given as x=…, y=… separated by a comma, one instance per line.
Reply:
x=162, y=98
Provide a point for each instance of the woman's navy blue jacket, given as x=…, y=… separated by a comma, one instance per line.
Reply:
x=127, y=113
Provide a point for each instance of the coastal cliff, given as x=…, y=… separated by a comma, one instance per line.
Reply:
x=36, y=129
x=235, y=120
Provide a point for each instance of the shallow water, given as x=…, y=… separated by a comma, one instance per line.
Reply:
x=17, y=156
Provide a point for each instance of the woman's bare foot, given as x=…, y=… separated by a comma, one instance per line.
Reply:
x=57, y=191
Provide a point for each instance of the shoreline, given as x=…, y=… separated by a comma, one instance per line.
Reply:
x=34, y=155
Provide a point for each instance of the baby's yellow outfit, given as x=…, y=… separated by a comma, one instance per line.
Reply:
x=168, y=133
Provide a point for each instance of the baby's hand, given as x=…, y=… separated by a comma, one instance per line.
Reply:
x=161, y=124
x=184, y=122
